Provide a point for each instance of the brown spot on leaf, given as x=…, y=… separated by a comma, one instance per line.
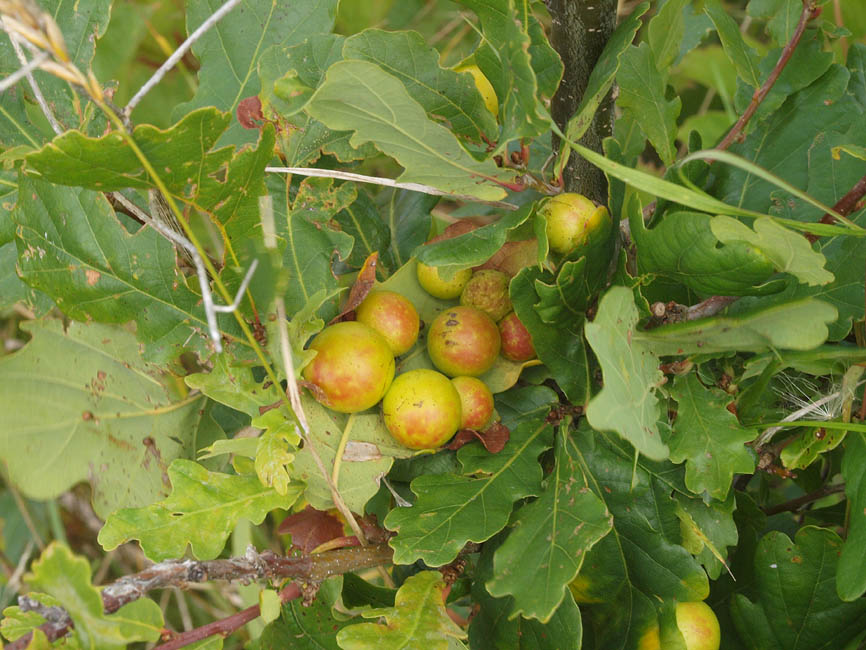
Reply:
x=92, y=277
x=249, y=113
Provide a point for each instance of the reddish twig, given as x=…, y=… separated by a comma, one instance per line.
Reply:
x=844, y=206
x=227, y=625
x=761, y=93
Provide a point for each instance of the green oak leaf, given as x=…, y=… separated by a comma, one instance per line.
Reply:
x=201, y=512
x=418, y=617
x=643, y=549
x=642, y=95
x=796, y=325
x=306, y=627
x=361, y=97
x=808, y=62
x=365, y=457
x=234, y=386
x=221, y=183
x=794, y=604
x=789, y=251
x=851, y=572
x=452, y=509
x=710, y=527
x=443, y=93
x=80, y=404
x=561, y=349
x=304, y=64
x=683, y=248
x=12, y=288
x=474, y=247
x=408, y=217
x=548, y=540
x=312, y=240
x=229, y=52
x=744, y=58
x=782, y=17
x=628, y=403
x=515, y=66
x=276, y=449
x=708, y=438
x=362, y=221
x=21, y=120
x=66, y=577
x=495, y=625
x=17, y=623
x=665, y=33
x=783, y=143
x=72, y=247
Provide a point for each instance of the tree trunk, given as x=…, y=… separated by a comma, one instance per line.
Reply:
x=580, y=30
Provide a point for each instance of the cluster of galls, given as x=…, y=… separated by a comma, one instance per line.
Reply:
x=422, y=409
x=354, y=366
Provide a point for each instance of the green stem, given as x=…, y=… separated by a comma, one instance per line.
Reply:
x=221, y=288
x=814, y=424
x=341, y=448
x=56, y=523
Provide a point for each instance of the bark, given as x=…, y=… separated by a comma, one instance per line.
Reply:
x=580, y=29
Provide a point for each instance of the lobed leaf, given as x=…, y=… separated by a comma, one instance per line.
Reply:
x=628, y=403
x=790, y=252
x=66, y=577
x=795, y=603
x=444, y=94
x=684, y=248
x=80, y=404
x=796, y=325
x=229, y=52
x=561, y=349
x=366, y=456
x=306, y=627
x=72, y=247
x=548, y=541
x=851, y=572
x=642, y=94
x=418, y=613
x=452, y=509
x=643, y=549
x=744, y=58
x=708, y=438
x=289, y=75
x=361, y=97
x=201, y=511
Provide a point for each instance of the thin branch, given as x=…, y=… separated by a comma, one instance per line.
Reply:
x=229, y=624
x=795, y=504
x=761, y=93
x=709, y=307
x=210, y=308
x=387, y=182
x=25, y=70
x=178, y=54
x=311, y=569
x=37, y=91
